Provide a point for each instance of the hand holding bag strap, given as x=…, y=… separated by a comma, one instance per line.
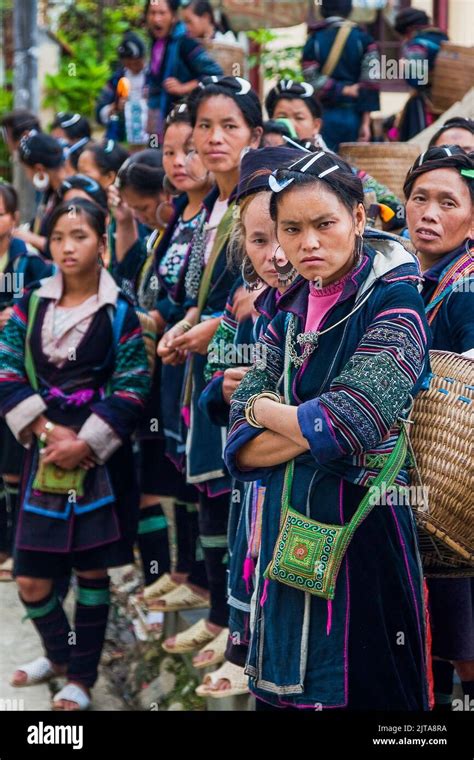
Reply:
x=337, y=47
x=29, y=363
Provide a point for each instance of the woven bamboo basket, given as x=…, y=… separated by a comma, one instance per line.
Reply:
x=452, y=76
x=231, y=58
x=443, y=444
x=387, y=162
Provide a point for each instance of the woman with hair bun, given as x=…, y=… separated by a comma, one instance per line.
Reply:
x=439, y=189
x=321, y=420
x=101, y=161
x=44, y=162
x=227, y=120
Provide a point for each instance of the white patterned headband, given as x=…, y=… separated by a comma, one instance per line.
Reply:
x=301, y=166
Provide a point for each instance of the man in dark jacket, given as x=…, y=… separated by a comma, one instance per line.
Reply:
x=421, y=43
x=344, y=83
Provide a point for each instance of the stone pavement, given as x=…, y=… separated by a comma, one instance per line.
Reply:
x=19, y=643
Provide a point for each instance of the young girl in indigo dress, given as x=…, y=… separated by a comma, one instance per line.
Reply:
x=74, y=380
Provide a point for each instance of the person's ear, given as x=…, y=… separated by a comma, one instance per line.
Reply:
x=318, y=123
x=257, y=133
x=360, y=219
x=16, y=218
x=110, y=177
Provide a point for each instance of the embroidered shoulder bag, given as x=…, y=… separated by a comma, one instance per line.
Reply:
x=308, y=553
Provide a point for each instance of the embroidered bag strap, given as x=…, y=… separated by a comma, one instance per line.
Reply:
x=460, y=269
x=387, y=475
x=337, y=47
x=29, y=363
x=222, y=236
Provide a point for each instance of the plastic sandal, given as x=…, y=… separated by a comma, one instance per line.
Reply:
x=37, y=671
x=181, y=598
x=6, y=570
x=239, y=682
x=218, y=647
x=162, y=586
x=72, y=693
x=191, y=639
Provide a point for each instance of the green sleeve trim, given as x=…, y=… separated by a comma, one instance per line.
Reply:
x=93, y=597
x=150, y=524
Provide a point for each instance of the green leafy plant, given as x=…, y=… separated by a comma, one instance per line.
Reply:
x=92, y=39
x=281, y=63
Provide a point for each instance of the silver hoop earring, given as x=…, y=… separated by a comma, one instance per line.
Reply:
x=40, y=181
x=162, y=216
x=250, y=277
x=169, y=188
x=359, y=250
x=285, y=273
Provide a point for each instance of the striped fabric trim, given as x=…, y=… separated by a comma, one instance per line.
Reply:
x=150, y=524
x=93, y=597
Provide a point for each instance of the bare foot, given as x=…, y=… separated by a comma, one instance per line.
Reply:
x=179, y=577
x=215, y=629
x=19, y=677
x=160, y=603
x=67, y=704
x=222, y=685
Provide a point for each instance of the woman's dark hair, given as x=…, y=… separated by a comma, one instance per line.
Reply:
x=19, y=121
x=38, y=148
x=173, y=5
x=442, y=157
x=108, y=156
x=178, y=115
x=88, y=185
x=342, y=181
x=200, y=8
x=239, y=90
x=93, y=213
x=276, y=127
x=286, y=89
x=336, y=8
x=410, y=17
x=143, y=173
x=73, y=124
x=10, y=197
x=457, y=122
x=74, y=151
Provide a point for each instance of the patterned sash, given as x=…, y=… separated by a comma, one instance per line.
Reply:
x=462, y=268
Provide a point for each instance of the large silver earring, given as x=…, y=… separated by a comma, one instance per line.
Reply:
x=251, y=279
x=286, y=273
x=169, y=188
x=164, y=213
x=358, y=250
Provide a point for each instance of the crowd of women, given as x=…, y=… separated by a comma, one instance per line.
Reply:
x=216, y=322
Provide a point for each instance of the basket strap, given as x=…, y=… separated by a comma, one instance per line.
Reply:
x=386, y=476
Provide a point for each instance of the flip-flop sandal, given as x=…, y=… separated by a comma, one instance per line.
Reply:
x=145, y=623
x=37, y=671
x=181, y=598
x=191, y=639
x=6, y=570
x=72, y=693
x=217, y=646
x=239, y=682
x=159, y=588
